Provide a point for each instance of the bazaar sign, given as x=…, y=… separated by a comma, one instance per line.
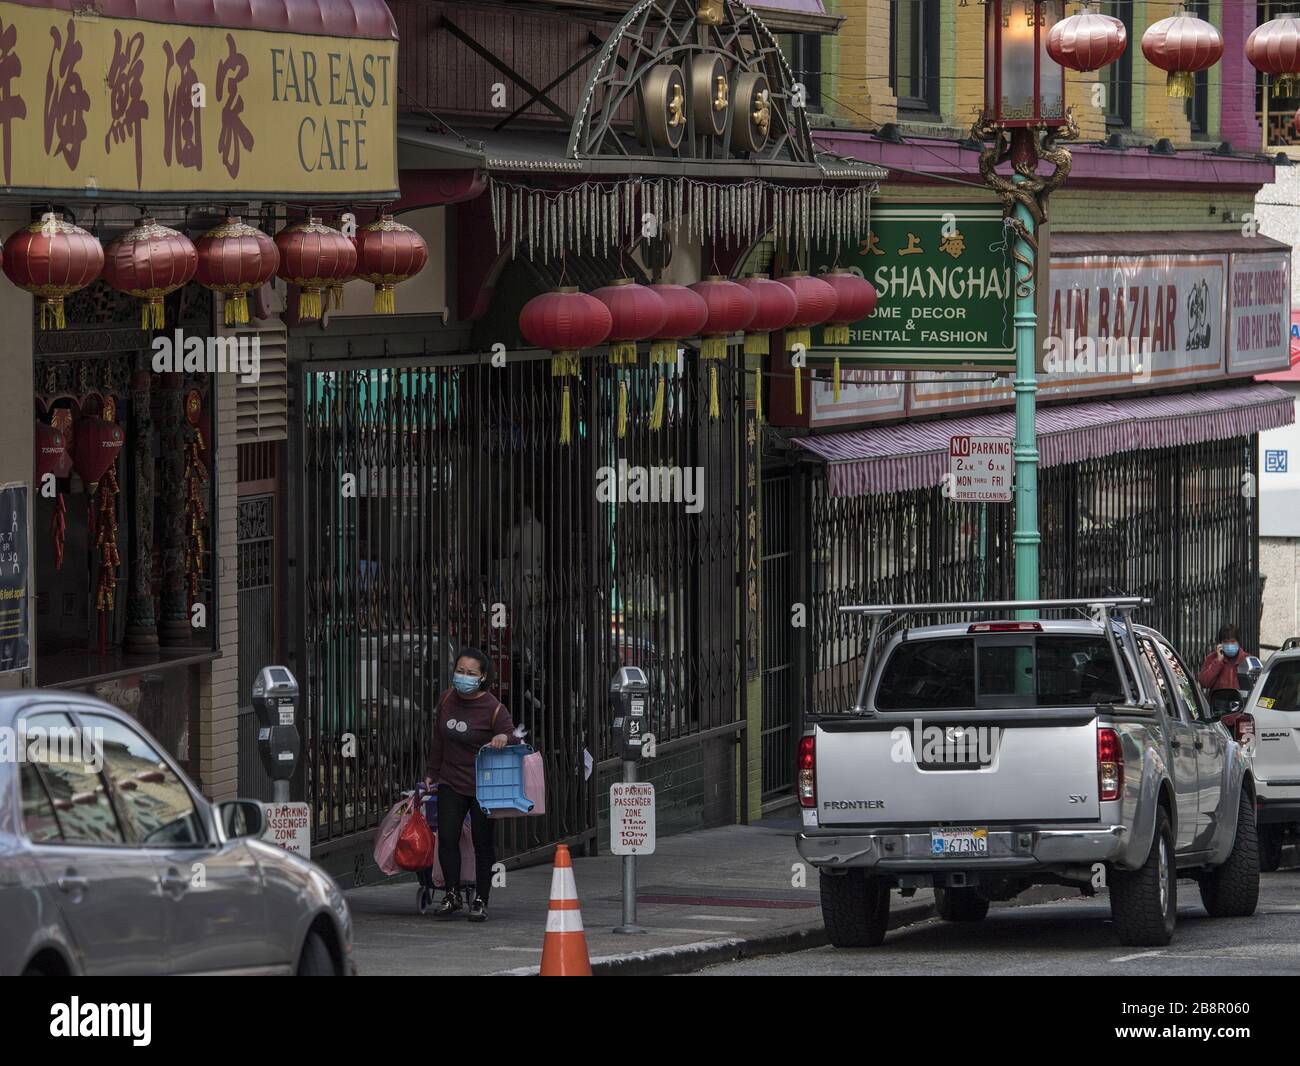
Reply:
x=943, y=274
x=105, y=106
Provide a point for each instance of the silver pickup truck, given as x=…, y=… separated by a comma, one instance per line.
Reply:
x=983, y=757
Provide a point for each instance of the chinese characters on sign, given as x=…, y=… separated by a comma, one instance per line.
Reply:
x=125, y=104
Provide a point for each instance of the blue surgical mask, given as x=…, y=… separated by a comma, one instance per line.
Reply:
x=465, y=683
x=1230, y=650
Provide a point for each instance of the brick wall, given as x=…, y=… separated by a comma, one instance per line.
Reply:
x=856, y=65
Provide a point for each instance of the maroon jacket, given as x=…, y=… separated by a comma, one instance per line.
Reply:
x=1219, y=674
x=452, y=754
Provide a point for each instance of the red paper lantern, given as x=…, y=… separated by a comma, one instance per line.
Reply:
x=94, y=449
x=314, y=256
x=51, y=453
x=1087, y=41
x=732, y=307
x=817, y=304
x=637, y=313
x=686, y=315
x=51, y=259
x=1274, y=49
x=1182, y=45
x=388, y=253
x=855, y=300
x=149, y=261
x=774, y=309
x=565, y=321
x=234, y=259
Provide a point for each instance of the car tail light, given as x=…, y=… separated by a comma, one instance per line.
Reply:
x=1005, y=627
x=807, y=771
x=1110, y=764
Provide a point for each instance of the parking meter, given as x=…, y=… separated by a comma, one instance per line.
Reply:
x=627, y=698
x=275, y=702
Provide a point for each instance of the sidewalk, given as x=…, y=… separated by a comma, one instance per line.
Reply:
x=705, y=897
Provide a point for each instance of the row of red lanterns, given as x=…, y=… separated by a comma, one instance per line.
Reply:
x=1181, y=45
x=52, y=258
x=565, y=321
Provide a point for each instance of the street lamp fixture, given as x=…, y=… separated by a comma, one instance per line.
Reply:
x=1024, y=87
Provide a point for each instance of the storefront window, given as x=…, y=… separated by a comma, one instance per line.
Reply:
x=1276, y=99
x=914, y=56
x=1118, y=76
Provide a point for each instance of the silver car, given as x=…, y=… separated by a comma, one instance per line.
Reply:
x=112, y=863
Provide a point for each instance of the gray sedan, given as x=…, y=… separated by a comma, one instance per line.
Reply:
x=112, y=863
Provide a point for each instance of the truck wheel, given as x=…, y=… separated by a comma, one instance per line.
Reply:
x=855, y=908
x=1232, y=890
x=960, y=904
x=1144, y=902
x=1270, y=847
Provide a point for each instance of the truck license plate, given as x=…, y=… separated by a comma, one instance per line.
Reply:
x=960, y=841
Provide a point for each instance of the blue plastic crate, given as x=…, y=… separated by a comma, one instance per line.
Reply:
x=499, y=778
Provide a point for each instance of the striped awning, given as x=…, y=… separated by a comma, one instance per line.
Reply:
x=914, y=455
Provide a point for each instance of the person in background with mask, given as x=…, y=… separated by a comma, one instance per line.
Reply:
x=467, y=718
x=1218, y=674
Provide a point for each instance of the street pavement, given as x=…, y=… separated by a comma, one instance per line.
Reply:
x=1069, y=937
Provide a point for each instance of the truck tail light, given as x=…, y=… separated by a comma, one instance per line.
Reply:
x=807, y=771
x=1110, y=765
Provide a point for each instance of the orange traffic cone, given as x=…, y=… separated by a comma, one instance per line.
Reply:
x=564, y=951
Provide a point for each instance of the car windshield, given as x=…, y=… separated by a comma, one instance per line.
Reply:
x=1281, y=689
x=1020, y=670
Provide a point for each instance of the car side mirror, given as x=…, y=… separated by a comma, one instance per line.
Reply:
x=1248, y=673
x=242, y=818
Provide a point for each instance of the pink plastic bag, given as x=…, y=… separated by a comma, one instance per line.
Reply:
x=534, y=788
x=386, y=839
x=467, y=859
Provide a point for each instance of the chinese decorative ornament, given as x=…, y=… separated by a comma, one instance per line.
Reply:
x=149, y=261
x=313, y=256
x=234, y=259
x=775, y=309
x=196, y=476
x=51, y=259
x=94, y=456
x=565, y=321
x=686, y=315
x=731, y=308
x=817, y=303
x=637, y=313
x=388, y=253
x=53, y=460
x=1273, y=49
x=1182, y=45
x=855, y=300
x=1087, y=41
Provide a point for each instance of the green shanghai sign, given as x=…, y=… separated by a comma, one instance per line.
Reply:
x=943, y=273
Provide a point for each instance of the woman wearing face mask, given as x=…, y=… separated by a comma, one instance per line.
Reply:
x=1218, y=674
x=467, y=718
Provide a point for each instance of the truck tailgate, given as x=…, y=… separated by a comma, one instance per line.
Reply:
x=887, y=773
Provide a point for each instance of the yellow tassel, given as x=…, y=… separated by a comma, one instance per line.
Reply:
x=385, y=299
x=657, y=411
x=237, y=309
x=798, y=391
x=566, y=405
x=758, y=395
x=622, y=353
x=714, y=348
x=835, y=385
x=309, y=303
x=756, y=344
x=152, y=315
x=715, y=410
x=622, y=409
x=1180, y=83
x=336, y=291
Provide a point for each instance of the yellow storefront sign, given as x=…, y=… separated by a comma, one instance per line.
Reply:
x=103, y=106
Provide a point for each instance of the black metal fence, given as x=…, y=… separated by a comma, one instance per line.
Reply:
x=1178, y=525
x=439, y=507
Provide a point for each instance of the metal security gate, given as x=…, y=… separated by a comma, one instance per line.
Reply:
x=1178, y=525
x=438, y=507
x=255, y=551
x=780, y=693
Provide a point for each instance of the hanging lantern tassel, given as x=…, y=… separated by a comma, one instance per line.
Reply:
x=385, y=300
x=661, y=353
x=58, y=529
x=758, y=395
x=798, y=390
x=797, y=337
x=835, y=382
x=52, y=314
x=1180, y=83
x=109, y=560
x=565, y=365
x=622, y=409
x=152, y=313
x=237, y=309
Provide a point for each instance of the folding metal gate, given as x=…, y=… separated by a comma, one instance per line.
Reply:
x=439, y=507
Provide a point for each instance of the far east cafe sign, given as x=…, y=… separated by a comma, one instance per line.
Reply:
x=91, y=105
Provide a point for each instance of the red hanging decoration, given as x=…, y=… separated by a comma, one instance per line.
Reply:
x=53, y=460
x=775, y=308
x=314, y=256
x=52, y=259
x=817, y=303
x=731, y=308
x=1274, y=49
x=196, y=476
x=565, y=321
x=855, y=300
x=686, y=315
x=106, y=541
x=94, y=449
x=235, y=258
x=1087, y=41
x=149, y=261
x=1182, y=45
x=637, y=313
x=388, y=253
